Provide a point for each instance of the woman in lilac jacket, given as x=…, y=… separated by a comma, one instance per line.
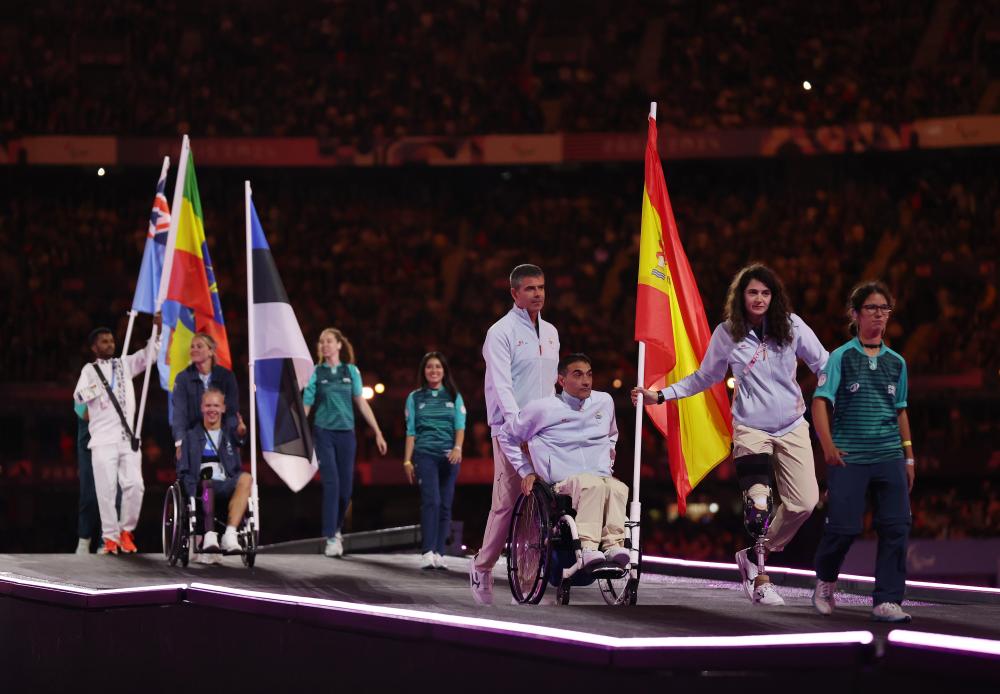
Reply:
x=761, y=341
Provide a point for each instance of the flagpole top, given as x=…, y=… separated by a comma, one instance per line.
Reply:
x=652, y=110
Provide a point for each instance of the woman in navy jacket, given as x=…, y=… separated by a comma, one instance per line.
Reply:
x=191, y=383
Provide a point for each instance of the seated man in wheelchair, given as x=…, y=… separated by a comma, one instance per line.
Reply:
x=570, y=439
x=209, y=467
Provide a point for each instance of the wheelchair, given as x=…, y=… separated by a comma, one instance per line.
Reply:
x=182, y=522
x=543, y=547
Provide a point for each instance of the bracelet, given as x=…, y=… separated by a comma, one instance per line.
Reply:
x=407, y=462
x=910, y=461
x=907, y=443
x=659, y=398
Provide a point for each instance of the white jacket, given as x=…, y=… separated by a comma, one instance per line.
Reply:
x=566, y=436
x=521, y=365
x=105, y=424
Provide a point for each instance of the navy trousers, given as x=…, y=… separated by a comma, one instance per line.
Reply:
x=336, y=451
x=849, y=487
x=436, y=477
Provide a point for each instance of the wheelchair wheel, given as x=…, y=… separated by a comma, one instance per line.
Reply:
x=528, y=548
x=562, y=592
x=248, y=540
x=175, y=535
x=623, y=590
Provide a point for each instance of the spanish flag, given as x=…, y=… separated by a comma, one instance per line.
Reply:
x=191, y=299
x=670, y=320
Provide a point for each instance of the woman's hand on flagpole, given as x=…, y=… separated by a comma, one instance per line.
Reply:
x=649, y=397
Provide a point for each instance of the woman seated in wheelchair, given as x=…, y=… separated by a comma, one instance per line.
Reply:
x=209, y=468
x=570, y=440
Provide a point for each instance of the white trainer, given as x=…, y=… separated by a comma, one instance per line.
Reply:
x=439, y=562
x=890, y=612
x=765, y=594
x=823, y=598
x=427, y=560
x=211, y=542
x=748, y=572
x=230, y=542
x=617, y=555
x=334, y=547
x=213, y=558
x=481, y=583
x=592, y=556
x=83, y=546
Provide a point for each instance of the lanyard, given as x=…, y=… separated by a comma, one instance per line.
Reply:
x=760, y=352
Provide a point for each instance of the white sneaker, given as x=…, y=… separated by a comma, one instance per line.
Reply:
x=890, y=612
x=211, y=542
x=592, y=556
x=481, y=583
x=212, y=558
x=83, y=546
x=617, y=555
x=427, y=561
x=439, y=562
x=765, y=594
x=748, y=572
x=339, y=538
x=823, y=599
x=334, y=547
x=230, y=542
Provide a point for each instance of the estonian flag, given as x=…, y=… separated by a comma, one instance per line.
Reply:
x=282, y=367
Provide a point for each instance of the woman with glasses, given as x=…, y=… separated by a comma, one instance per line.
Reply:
x=867, y=450
x=435, y=430
x=761, y=341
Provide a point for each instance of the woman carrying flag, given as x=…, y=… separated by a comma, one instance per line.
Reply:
x=334, y=384
x=435, y=430
x=761, y=341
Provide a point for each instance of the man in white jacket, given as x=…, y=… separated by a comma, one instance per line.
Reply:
x=116, y=459
x=571, y=438
x=521, y=352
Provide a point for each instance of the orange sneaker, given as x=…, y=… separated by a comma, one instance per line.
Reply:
x=110, y=547
x=127, y=543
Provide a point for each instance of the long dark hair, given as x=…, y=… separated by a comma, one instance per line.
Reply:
x=447, y=381
x=776, y=320
x=859, y=295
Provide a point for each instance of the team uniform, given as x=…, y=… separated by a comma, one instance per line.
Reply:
x=432, y=419
x=867, y=394
x=571, y=443
x=522, y=361
x=330, y=393
x=115, y=463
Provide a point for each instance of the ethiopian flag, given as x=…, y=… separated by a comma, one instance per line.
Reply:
x=190, y=293
x=670, y=319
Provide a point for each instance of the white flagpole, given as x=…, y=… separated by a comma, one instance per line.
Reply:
x=635, y=508
x=132, y=313
x=254, y=499
x=150, y=358
x=175, y=218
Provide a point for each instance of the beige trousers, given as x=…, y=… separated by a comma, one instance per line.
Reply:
x=600, y=509
x=506, y=490
x=794, y=472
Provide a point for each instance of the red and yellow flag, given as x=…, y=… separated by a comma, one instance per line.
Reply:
x=670, y=319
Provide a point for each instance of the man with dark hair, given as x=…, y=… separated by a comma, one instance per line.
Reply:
x=522, y=354
x=571, y=438
x=105, y=387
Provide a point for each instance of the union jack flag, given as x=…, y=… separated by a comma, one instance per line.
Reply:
x=148, y=285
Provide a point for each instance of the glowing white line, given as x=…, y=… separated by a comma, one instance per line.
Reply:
x=819, y=638
x=670, y=561
x=81, y=590
x=945, y=641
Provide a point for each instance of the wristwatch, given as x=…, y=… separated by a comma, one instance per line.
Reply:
x=659, y=397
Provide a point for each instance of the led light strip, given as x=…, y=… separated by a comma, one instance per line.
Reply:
x=81, y=590
x=818, y=638
x=669, y=561
x=965, y=644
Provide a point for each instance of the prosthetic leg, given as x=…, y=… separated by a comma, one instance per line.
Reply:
x=754, y=473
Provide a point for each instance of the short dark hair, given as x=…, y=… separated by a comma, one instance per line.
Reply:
x=523, y=271
x=564, y=363
x=215, y=390
x=96, y=333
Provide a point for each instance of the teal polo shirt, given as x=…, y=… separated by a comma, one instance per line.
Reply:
x=432, y=418
x=331, y=392
x=867, y=394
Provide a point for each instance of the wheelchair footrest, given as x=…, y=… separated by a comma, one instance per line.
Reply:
x=606, y=570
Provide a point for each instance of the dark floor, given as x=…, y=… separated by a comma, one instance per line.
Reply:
x=668, y=605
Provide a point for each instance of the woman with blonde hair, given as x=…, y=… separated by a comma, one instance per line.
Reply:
x=333, y=390
x=191, y=383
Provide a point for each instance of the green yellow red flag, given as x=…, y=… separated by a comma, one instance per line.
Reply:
x=670, y=320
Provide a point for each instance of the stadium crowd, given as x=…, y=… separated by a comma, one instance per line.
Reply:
x=355, y=73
